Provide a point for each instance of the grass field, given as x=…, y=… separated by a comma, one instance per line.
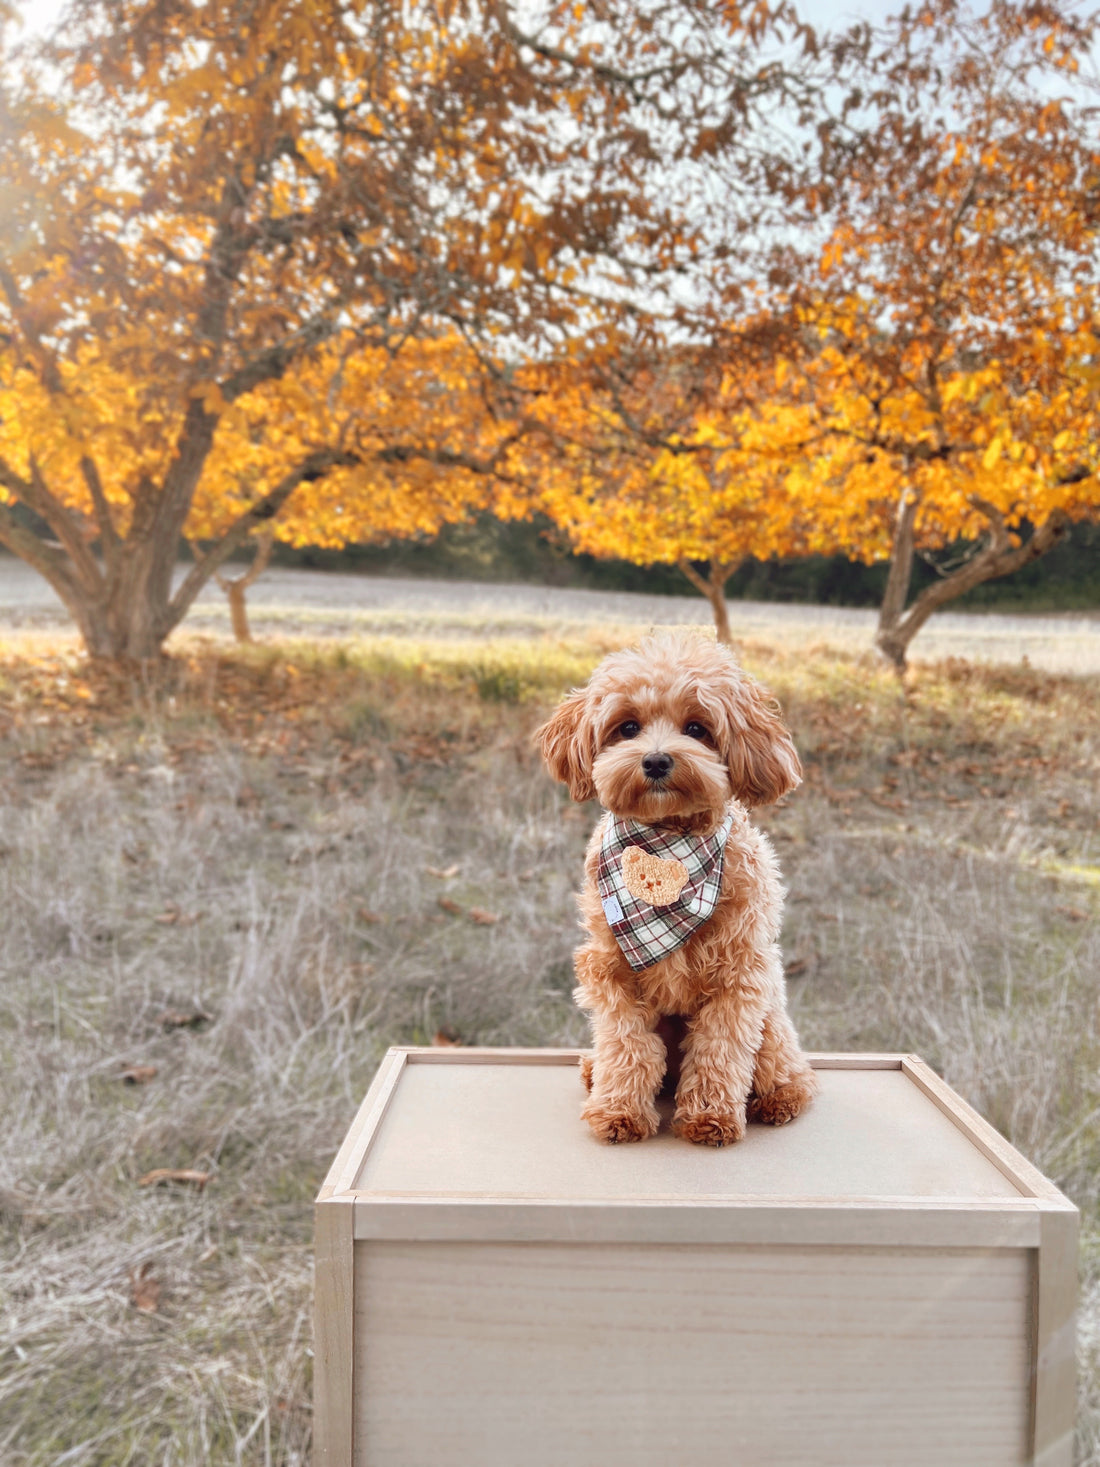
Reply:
x=226, y=874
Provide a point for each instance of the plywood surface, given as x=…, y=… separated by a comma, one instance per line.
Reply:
x=484, y=1130
x=548, y=1354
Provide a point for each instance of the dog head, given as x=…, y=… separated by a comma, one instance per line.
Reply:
x=669, y=730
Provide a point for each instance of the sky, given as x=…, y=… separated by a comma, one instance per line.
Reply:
x=39, y=15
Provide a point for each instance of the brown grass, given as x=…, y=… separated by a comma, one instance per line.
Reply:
x=247, y=838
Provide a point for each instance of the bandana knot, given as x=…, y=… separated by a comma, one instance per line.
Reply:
x=658, y=887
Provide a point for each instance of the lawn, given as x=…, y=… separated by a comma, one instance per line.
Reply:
x=227, y=888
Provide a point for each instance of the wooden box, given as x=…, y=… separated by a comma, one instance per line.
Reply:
x=883, y=1283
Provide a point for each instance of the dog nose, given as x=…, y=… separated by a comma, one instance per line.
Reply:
x=656, y=766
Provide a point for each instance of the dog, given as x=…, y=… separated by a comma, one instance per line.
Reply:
x=682, y=897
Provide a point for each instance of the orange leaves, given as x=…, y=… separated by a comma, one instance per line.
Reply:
x=417, y=418
x=277, y=226
x=668, y=459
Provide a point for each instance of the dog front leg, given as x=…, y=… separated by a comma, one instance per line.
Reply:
x=627, y=1062
x=716, y=1074
x=783, y=1084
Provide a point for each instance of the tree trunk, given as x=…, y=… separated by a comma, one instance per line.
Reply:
x=890, y=641
x=122, y=599
x=237, y=586
x=713, y=587
x=238, y=611
x=997, y=557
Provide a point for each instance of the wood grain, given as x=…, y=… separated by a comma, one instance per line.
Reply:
x=1055, y=1383
x=333, y=1337
x=643, y=1356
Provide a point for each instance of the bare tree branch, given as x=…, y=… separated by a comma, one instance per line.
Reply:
x=36, y=495
x=107, y=532
x=52, y=564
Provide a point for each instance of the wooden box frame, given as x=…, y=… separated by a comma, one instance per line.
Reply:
x=1039, y=1220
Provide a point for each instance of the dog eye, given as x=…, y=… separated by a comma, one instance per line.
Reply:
x=695, y=730
x=630, y=729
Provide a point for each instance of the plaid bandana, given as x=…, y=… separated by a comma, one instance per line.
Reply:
x=657, y=887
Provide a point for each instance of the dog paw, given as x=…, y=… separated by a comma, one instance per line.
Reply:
x=710, y=1128
x=782, y=1104
x=612, y=1125
x=586, y=1071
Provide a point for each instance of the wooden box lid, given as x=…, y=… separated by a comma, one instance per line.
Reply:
x=482, y=1144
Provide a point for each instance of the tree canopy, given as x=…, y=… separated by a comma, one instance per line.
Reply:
x=950, y=321
x=930, y=360
x=228, y=230
x=692, y=280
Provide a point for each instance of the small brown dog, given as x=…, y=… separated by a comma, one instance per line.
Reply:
x=682, y=899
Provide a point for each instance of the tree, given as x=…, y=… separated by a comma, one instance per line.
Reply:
x=671, y=462
x=214, y=218
x=980, y=487
x=236, y=587
x=950, y=323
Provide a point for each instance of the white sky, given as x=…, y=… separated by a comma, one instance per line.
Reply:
x=39, y=15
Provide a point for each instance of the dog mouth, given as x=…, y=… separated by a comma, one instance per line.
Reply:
x=659, y=787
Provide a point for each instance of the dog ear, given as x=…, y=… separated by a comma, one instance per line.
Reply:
x=566, y=745
x=759, y=752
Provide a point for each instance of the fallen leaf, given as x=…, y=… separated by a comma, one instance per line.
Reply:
x=138, y=1074
x=364, y=914
x=144, y=1289
x=175, y=1019
x=175, y=1174
x=898, y=805
x=446, y=1038
x=450, y=906
x=839, y=797
x=796, y=966
x=1075, y=914
x=482, y=917
x=168, y=918
x=445, y=874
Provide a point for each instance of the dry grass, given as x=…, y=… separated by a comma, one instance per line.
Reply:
x=225, y=842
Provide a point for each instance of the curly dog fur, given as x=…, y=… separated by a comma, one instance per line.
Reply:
x=723, y=990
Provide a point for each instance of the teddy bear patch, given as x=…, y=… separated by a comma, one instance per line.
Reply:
x=652, y=879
